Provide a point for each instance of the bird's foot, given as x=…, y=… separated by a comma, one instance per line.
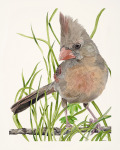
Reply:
x=68, y=125
x=97, y=128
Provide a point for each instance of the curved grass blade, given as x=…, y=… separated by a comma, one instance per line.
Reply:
x=18, y=125
x=34, y=70
x=53, y=14
x=108, y=69
x=73, y=132
x=36, y=41
x=92, y=126
x=31, y=122
x=54, y=33
x=94, y=137
x=62, y=133
x=22, y=91
x=99, y=112
x=32, y=80
x=109, y=137
x=47, y=30
x=49, y=64
x=33, y=38
x=51, y=26
x=96, y=23
x=104, y=134
x=53, y=64
x=94, y=30
x=23, y=79
x=79, y=112
x=58, y=114
x=99, y=135
x=40, y=49
x=51, y=106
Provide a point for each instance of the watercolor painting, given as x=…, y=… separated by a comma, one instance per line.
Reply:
x=59, y=70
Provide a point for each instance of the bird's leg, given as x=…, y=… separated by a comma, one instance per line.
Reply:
x=64, y=104
x=98, y=126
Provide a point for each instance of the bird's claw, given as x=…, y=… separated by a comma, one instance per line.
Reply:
x=68, y=125
x=97, y=128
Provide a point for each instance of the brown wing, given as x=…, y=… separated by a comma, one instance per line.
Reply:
x=57, y=73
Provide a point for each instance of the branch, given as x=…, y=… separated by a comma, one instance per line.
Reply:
x=57, y=131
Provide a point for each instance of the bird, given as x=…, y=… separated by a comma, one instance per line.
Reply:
x=82, y=75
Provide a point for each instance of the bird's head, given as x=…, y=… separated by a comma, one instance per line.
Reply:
x=75, y=42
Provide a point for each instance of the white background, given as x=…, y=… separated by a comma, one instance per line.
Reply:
x=17, y=53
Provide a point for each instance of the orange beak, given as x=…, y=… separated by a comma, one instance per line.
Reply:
x=66, y=54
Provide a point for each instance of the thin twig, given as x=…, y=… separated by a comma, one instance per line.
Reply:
x=57, y=131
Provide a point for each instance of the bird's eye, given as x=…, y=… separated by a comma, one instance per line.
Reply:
x=77, y=46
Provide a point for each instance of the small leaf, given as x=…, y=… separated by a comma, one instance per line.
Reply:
x=71, y=119
x=76, y=108
x=79, y=106
x=73, y=108
x=63, y=120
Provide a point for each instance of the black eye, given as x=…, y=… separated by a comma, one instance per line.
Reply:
x=77, y=46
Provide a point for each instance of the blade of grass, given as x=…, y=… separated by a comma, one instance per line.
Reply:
x=22, y=90
x=73, y=132
x=36, y=41
x=33, y=38
x=92, y=126
x=40, y=49
x=47, y=30
x=96, y=23
x=23, y=79
x=80, y=112
x=51, y=106
x=32, y=80
x=34, y=70
x=94, y=137
x=99, y=135
x=54, y=33
x=18, y=125
x=104, y=134
x=62, y=133
x=31, y=122
x=53, y=14
x=108, y=69
x=51, y=26
x=99, y=112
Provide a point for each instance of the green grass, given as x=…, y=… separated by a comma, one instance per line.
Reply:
x=51, y=113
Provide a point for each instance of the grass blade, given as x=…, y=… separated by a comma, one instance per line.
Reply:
x=34, y=70
x=96, y=23
x=54, y=34
x=33, y=38
x=18, y=125
x=53, y=14
x=23, y=79
x=32, y=80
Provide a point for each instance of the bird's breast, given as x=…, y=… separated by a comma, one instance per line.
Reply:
x=85, y=82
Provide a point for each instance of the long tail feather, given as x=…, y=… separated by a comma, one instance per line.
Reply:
x=25, y=102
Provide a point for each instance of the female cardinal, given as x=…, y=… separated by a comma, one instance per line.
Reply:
x=81, y=77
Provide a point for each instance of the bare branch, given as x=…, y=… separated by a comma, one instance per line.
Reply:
x=57, y=131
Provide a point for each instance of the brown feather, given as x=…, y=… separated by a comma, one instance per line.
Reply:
x=25, y=102
x=64, y=23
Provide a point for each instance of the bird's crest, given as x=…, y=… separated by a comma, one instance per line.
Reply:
x=70, y=29
x=64, y=23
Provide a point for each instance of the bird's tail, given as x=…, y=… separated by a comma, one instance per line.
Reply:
x=25, y=102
